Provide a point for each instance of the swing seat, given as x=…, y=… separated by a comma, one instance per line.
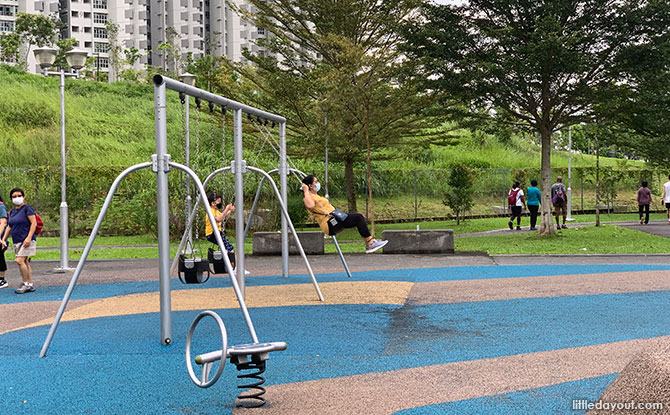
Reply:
x=218, y=262
x=193, y=270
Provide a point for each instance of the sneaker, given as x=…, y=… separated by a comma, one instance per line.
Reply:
x=25, y=288
x=518, y=228
x=245, y=272
x=511, y=226
x=375, y=245
x=3, y=283
x=564, y=227
x=641, y=221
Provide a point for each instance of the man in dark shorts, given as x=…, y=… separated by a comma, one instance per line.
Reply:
x=559, y=199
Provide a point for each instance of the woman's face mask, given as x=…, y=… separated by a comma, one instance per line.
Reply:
x=317, y=187
x=17, y=200
x=219, y=205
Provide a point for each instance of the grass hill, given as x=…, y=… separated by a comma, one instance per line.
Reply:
x=113, y=125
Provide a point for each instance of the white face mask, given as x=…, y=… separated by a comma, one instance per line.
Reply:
x=317, y=187
x=17, y=200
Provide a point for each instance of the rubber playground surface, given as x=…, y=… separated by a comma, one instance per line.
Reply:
x=406, y=335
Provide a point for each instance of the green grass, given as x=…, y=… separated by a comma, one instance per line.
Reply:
x=607, y=239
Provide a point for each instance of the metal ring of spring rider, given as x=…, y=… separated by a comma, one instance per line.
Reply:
x=204, y=382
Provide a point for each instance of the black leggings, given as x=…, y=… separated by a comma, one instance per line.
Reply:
x=516, y=213
x=533, y=214
x=3, y=264
x=353, y=220
x=643, y=209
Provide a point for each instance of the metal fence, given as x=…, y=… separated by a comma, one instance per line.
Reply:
x=398, y=194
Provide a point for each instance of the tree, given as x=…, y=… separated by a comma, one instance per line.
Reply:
x=459, y=195
x=35, y=29
x=543, y=63
x=9, y=46
x=114, y=52
x=643, y=115
x=340, y=62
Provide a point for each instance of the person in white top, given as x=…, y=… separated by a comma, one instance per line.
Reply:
x=665, y=197
x=516, y=200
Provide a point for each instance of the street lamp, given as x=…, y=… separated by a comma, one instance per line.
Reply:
x=188, y=79
x=569, y=217
x=76, y=59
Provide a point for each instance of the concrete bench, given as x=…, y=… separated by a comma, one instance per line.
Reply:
x=430, y=241
x=269, y=243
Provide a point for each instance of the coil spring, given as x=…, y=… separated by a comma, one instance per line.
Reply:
x=252, y=396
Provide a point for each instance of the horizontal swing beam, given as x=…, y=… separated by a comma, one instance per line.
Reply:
x=215, y=99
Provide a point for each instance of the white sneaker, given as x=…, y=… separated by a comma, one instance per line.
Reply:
x=375, y=245
x=245, y=272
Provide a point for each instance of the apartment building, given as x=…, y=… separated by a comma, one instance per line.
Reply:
x=194, y=27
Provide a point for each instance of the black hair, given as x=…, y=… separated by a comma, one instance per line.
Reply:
x=516, y=185
x=644, y=183
x=533, y=182
x=211, y=197
x=309, y=179
x=17, y=189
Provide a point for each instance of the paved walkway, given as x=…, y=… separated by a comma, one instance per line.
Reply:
x=408, y=334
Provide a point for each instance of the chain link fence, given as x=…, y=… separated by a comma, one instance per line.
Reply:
x=399, y=195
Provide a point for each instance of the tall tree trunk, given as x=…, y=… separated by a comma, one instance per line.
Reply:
x=546, y=221
x=349, y=183
x=371, y=217
x=597, y=176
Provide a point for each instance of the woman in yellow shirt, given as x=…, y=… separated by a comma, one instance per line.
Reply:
x=321, y=209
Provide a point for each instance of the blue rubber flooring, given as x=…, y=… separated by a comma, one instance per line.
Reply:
x=92, y=291
x=115, y=364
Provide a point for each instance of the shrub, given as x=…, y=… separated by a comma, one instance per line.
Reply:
x=459, y=195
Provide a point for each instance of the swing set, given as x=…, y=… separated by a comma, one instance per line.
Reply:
x=247, y=357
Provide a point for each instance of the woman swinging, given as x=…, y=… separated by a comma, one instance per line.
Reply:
x=326, y=215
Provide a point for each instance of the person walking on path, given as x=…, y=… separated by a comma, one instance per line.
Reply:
x=643, y=201
x=21, y=225
x=560, y=201
x=533, y=197
x=665, y=197
x=516, y=200
x=3, y=264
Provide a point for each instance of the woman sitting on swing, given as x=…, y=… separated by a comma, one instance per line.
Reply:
x=216, y=203
x=331, y=220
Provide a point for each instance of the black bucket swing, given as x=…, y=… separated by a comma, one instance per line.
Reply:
x=192, y=269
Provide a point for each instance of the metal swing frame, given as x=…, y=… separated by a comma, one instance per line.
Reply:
x=161, y=165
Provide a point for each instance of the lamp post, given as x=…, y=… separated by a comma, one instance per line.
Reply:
x=569, y=216
x=188, y=79
x=76, y=59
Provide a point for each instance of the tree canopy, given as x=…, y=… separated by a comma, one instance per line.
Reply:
x=339, y=77
x=541, y=63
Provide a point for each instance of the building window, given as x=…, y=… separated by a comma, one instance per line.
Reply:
x=99, y=4
x=6, y=26
x=103, y=62
x=100, y=33
x=99, y=18
x=99, y=47
x=261, y=30
x=87, y=29
x=8, y=10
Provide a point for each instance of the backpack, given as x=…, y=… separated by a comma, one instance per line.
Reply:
x=559, y=197
x=40, y=224
x=511, y=199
